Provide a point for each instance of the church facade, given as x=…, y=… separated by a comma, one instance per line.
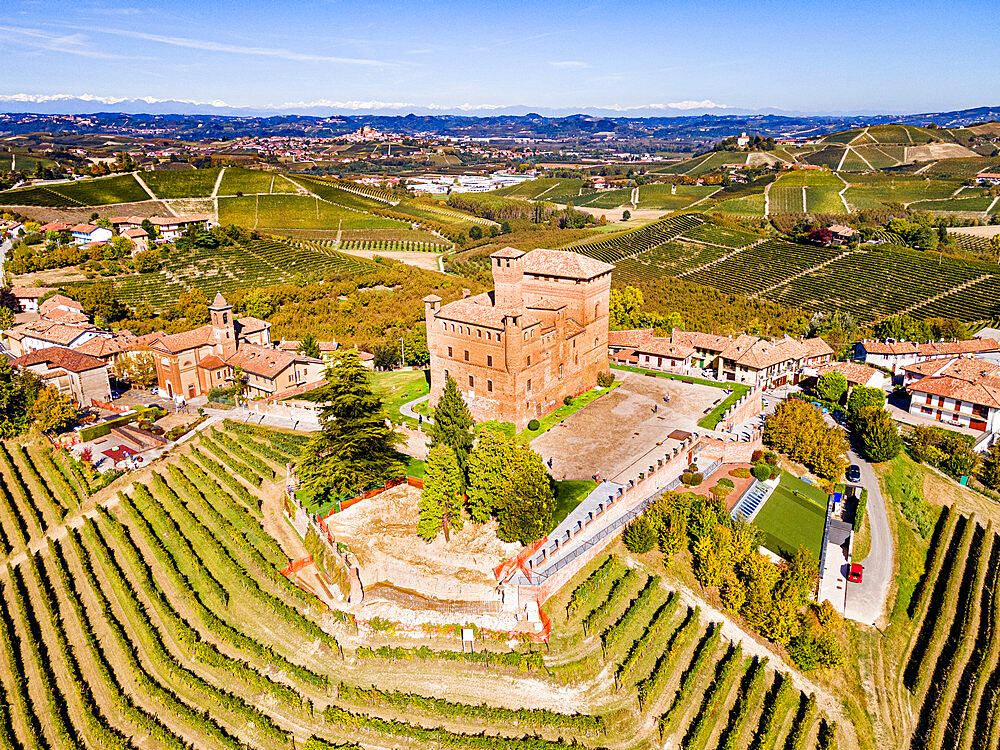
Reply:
x=541, y=335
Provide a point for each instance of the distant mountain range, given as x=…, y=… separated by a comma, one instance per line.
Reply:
x=174, y=119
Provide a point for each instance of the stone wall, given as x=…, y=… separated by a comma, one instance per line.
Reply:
x=745, y=409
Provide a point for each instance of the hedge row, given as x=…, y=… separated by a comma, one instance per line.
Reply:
x=186, y=635
x=657, y=626
x=57, y=715
x=775, y=699
x=614, y=632
x=156, y=649
x=253, y=502
x=255, y=462
x=701, y=655
x=149, y=685
x=143, y=505
x=8, y=506
x=188, y=520
x=800, y=725
x=538, y=717
x=98, y=727
x=585, y=590
x=252, y=476
x=214, y=624
x=122, y=701
x=619, y=589
x=58, y=508
x=439, y=736
x=715, y=693
x=749, y=685
x=62, y=478
x=934, y=559
x=651, y=686
x=530, y=662
x=10, y=642
x=283, y=441
x=26, y=496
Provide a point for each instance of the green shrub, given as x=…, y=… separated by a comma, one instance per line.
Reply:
x=639, y=536
x=605, y=379
x=762, y=472
x=534, y=424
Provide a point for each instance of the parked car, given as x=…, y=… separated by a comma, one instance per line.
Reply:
x=155, y=391
x=856, y=573
x=853, y=473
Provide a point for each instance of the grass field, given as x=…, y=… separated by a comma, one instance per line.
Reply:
x=96, y=192
x=875, y=190
x=239, y=180
x=186, y=183
x=750, y=205
x=794, y=515
x=296, y=212
x=400, y=387
x=672, y=197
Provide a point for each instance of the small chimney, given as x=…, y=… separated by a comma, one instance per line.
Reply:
x=465, y=293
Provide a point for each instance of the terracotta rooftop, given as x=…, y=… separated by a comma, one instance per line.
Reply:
x=895, y=347
x=631, y=338
x=816, y=347
x=108, y=346
x=968, y=380
x=53, y=226
x=855, y=372
x=59, y=300
x=507, y=252
x=562, y=263
x=50, y=331
x=83, y=228
x=945, y=348
x=29, y=292
x=664, y=347
x=708, y=341
x=219, y=300
x=59, y=356
x=135, y=233
x=267, y=363
x=212, y=362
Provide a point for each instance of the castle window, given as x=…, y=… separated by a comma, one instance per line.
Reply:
x=472, y=382
x=489, y=386
x=560, y=371
x=479, y=333
x=466, y=355
x=529, y=360
x=450, y=352
x=489, y=360
x=225, y=319
x=529, y=386
x=445, y=374
x=597, y=309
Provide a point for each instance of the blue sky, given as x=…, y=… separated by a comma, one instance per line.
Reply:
x=676, y=55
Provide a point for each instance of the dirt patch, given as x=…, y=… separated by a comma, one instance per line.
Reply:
x=933, y=151
x=977, y=231
x=46, y=214
x=194, y=206
x=53, y=277
x=381, y=532
x=941, y=490
x=428, y=261
x=619, y=433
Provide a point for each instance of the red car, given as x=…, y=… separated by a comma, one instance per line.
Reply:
x=856, y=573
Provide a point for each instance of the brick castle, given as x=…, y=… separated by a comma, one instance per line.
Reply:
x=539, y=336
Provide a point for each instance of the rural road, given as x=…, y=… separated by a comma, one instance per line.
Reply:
x=866, y=600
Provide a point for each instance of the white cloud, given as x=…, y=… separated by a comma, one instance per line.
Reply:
x=276, y=52
x=68, y=44
x=568, y=64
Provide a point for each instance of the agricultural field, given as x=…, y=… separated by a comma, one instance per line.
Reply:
x=614, y=247
x=296, y=212
x=821, y=193
x=705, y=163
x=239, y=180
x=543, y=188
x=228, y=268
x=186, y=183
x=672, y=197
x=748, y=205
x=875, y=190
x=443, y=214
x=87, y=192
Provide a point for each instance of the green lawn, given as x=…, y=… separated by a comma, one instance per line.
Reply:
x=564, y=411
x=569, y=494
x=398, y=388
x=794, y=515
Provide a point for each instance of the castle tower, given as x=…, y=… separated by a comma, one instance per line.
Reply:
x=223, y=325
x=507, y=277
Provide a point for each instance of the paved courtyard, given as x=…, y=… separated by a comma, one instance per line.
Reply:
x=619, y=434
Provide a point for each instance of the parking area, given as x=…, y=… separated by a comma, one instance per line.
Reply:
x=620, y=433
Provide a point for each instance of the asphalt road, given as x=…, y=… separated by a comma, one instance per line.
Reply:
x=866, y=600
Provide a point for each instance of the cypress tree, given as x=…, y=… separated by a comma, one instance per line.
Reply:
x=453, y=424
x=354, y=449
x=440, y=506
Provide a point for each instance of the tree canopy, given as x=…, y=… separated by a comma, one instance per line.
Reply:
x=354, y=448
x=440, y=504
x=879, y=437
x=453, y=423
x=797, y=429
x=51, y=410
x=832, y=387
x=18, y=390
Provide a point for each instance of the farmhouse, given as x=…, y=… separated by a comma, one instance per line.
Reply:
x=77, y=375
x=539, y=336
x=897, y=355
x=271, y=371
x=962, y=391
x=169, y=227
x=842, y=233
x=28, y=296
x=988, y=178
x=86, y=234
x=855, y=373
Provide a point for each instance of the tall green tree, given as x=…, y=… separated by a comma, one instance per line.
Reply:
x=832, y=387
x=488, y=483
x=440, y=505
x=878, y=434
x=453, y=423
x=355, y=448
x=863, y=399
x=18, y=390
x=309, y=347
x=989, y=473
x=51, y=410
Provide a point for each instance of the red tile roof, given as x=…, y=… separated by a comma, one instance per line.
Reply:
x=895, y=347
x=59, y=300
x=212, y=362
x=266, y=363
x=945, y=348
x=968, y=380
x=562, y=263
x=29, y=292
x=855, y=372
x=59, y=356
x=631, y=338
x=663, y=347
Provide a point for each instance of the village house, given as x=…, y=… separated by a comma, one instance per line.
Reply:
x=88, y=234
x=187, y=364
x=271, y=372
x=79, y=376
x=541, y=335
x=28, y=296
x=897, y=355
x=842, y=233
x=168, y=227
x=988, y=178
x=963, y=391
x=327, y=349
x=856, y=374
